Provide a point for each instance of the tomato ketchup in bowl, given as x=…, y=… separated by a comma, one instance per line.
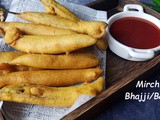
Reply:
x=136, y=32
x=134, y=35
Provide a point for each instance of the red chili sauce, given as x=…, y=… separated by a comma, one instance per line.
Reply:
x=136, y=33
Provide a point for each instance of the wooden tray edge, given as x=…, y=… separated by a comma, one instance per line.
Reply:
x=88, y=109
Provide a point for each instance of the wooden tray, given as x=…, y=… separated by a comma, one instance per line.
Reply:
x=121, y=74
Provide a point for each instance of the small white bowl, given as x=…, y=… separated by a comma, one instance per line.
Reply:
x=127, y=52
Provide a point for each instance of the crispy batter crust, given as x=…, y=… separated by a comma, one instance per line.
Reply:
x=29, y=29
x=71, y=61
x=8, y=68
x=51, y=77
x=47, y=44
x=95, y=29
x=53, y=7
x=102, y=44
x=6, y=57
x=50, y=96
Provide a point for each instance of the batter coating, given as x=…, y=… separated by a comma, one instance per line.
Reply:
x=8, y=68
x=47, y=44
x=50, y=96
x=6, y=57
x=95, y=29
x=53, y=7
x=29, y=29
x=70, y=61
x=51, y=77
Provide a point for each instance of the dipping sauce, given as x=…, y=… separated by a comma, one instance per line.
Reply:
x=136, y=32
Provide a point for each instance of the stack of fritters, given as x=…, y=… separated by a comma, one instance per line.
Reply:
x=42, y=73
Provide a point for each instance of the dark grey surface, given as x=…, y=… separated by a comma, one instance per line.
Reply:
x=132, y=109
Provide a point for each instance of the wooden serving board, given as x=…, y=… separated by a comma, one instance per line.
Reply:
x=121, y=73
